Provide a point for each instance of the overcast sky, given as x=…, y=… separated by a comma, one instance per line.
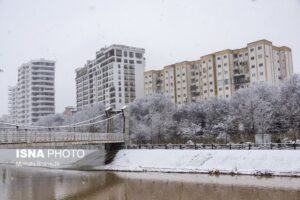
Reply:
x=71, y=31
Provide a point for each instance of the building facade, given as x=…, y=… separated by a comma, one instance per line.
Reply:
x=69, y=111
x=154, y=82
x=34, y=95
x=221, y=73
x=12, y=104
x=181, y=82
x=115, y=77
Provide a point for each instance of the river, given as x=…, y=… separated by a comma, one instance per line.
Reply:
x=22, y=183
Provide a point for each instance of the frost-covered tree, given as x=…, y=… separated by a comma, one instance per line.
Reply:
x=85, y=114
x=150, y=117
x=253, y=108
x=190, y=120
x=289, y=109
x=51, y=120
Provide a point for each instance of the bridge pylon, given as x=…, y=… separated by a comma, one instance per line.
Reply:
x=109, y=112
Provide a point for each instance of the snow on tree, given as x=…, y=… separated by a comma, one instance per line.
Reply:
x=150, y=117
x=253, y=108
x=51, y=120
x=289, y=109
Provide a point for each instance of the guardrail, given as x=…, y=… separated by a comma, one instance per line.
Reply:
x=17, y=137
x=275, y=146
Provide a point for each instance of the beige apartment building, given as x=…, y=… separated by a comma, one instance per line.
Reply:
x=154, y=82
x=221, y=73
x=179, y=81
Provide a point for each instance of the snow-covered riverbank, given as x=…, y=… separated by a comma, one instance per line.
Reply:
x=257, y=162
x=251, y=162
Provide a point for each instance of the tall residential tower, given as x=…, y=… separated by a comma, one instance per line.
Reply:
x=115, y=77
x=34, y=95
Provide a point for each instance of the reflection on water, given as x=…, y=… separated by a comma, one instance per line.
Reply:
x=33, y=183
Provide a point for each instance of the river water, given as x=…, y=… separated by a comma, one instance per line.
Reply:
x=18, y=183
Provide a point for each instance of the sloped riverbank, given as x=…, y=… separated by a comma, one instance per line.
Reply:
x=250, y=162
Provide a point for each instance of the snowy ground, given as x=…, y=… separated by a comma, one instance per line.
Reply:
x=257, y=162
x=268, y=162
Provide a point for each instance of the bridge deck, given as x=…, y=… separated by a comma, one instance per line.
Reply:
x=27, y=138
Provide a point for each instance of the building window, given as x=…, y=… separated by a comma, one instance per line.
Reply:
x=259, y=48
x=252, y=66
x=138, y=55
x=251, y=50
x=119, y=53
x=225, y=64
x=253, y=75
x=225, y=56
x=219, y=66
x=220, y=89
x=218, y=58
x=259, y=56
x=252, y=58
x=131, y=54
x=261, y=73
x=261, y=64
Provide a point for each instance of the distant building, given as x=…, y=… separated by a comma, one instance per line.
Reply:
x=154, y=82
x=12, y=104
x=115, y=77
x=220, y=74
x=69, y=111
x=5, y=118
x=34, y=95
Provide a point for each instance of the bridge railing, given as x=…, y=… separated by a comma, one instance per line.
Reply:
x=274, y=146
x=22, y=136
x=108, y=128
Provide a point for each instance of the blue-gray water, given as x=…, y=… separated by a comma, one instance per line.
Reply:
x=18, y=183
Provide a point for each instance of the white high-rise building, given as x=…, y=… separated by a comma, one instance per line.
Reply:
x=115, y=77
x=12, y=104
x=34, y=95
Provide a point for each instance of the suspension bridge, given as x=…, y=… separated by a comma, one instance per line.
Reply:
x=110, y=129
